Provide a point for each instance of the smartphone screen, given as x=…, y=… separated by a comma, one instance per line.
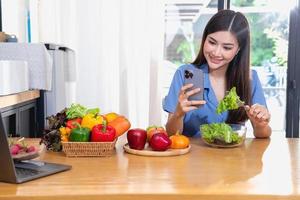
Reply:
x=196, y=77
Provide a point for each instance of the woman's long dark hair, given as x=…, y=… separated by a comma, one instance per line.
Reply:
x=238, y=71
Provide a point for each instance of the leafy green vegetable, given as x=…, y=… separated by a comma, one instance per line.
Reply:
x=219, y=132
x=230, y=102
x=77, y=110
x=93, y=111
x=51, y=135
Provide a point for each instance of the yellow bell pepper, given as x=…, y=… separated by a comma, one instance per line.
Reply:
x=64, y=133
x=90, y=120
x=111, y=116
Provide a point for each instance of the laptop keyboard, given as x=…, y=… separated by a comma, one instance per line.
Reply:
x=26, y=172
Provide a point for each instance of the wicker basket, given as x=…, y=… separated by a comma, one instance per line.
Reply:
x=85, y=149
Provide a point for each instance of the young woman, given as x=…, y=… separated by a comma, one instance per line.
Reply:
x=224, y=59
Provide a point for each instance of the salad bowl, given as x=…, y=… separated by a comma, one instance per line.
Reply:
x=223, y=135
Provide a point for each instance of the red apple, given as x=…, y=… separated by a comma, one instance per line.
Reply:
x=160, y=142
x=137, y=138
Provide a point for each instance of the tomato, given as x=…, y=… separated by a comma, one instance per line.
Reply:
x=72, y=123
x=179, y=141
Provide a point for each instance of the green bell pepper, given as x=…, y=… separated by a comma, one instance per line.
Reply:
x=80, y=134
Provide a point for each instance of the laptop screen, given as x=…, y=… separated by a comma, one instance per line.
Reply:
x=7, y=168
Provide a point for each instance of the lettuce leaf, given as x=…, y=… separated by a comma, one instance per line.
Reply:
x=78, y=111
x=219, y=131
x=231, y=101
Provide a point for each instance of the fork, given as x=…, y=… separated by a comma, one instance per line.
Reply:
x=242, y=104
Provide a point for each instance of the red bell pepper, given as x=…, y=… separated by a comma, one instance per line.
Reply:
x=103, y=133
x=72, y=123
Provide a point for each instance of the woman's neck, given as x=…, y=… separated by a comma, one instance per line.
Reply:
x=218, y=81
x=218, y=73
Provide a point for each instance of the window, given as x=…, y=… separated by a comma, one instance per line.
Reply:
x=184, y=24
x=269, y=25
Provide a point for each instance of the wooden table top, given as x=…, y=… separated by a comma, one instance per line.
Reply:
x=261, y=169
x=13, y=99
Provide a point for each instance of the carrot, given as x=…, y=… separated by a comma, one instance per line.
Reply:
x=121, y=124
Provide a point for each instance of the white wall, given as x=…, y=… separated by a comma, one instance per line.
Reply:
x=14, y=18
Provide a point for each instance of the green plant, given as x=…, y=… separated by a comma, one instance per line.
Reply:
x=185, y=50
x=262, y=46
x=269, y=33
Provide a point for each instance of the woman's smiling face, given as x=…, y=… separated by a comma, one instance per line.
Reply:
x=219, y=49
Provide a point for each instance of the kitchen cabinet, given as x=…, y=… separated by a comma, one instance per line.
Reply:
x=19, y=114
x=20, y=119
x=10, y=121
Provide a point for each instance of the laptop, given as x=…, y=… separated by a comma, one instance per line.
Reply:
x=21, y=171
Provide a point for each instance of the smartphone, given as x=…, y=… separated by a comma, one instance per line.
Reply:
x=196, y=77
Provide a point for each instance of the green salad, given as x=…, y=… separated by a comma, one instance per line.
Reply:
x=230, y=102
x=219, y=133
x=77, y=110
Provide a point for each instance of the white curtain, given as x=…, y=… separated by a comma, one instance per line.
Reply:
x=119, y=48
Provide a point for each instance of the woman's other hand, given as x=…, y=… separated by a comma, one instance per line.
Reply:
x=184, y=105
x=258, y=114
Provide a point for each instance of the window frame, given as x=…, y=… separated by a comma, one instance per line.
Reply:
x=293, y=81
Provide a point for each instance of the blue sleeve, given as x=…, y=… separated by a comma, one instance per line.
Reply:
x=171, y=100
x=257, y=91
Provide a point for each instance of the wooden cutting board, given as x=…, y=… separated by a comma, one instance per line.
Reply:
x=149, y=152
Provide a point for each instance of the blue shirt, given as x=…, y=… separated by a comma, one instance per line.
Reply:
x=207, y=113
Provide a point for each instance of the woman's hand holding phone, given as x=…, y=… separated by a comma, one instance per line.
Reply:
x=184, y=105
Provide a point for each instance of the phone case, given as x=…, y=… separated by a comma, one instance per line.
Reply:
x=196, y=77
